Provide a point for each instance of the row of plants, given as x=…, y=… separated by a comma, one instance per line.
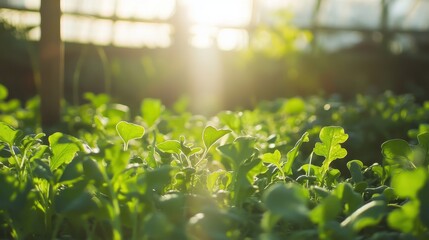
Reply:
x=284, y=170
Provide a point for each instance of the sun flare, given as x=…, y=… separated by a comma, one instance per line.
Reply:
x=218, y=22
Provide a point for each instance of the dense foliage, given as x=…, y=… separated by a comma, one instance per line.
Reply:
x=291, y=169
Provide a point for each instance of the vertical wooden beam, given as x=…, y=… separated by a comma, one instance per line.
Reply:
x=51, y=62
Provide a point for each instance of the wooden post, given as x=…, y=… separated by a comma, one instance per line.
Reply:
x=51, y=62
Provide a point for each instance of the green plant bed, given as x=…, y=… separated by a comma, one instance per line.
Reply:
x=284, y=170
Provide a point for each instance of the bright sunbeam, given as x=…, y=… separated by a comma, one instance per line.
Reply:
x=213, y=22
x=209, y=17
x=220, y=12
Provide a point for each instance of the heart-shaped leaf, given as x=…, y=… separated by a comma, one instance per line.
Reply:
x=211, y=135
x=129, y=131
x=8, y=134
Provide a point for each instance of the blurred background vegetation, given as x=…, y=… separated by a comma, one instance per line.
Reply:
x=252, y=51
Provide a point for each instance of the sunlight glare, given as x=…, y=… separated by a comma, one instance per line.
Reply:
x=230, y=39
x=145, y=9
x=220, y=12
x=211, y=17
x=202, y=36
x=129, y=34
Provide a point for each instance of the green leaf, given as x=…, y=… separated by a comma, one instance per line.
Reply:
x=231, y=119
x=97, y=100
x=170, y=146
x=351, y=199
x=408, y=183
x=423, y=196
x=239, y=150
x=330, y=147
x=118, y=159
x=293, y=106
x=129, y=131
x=273, y=158
x=212, y=179
x=157, y=179
x=404, y=218
x=244, y=178
x=3, y=92
x=157, y=226
x=424, y=147
x=41, y=170
x=369, y=214
x=397, y=151
x=328, y=209
x=151, y=110
x=355, y=168
x=293, y=153
x=211, y=135
x=75, y=200
x=8, y=134
x=72, y=172
x=64, y=148
x=92, y=171
x=287, y=200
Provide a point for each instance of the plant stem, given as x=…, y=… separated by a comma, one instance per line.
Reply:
x=116, y=215
x=309, y=167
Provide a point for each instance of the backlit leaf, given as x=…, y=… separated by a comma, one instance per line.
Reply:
x=327, y=209
x=129, y=131
x=64, y=148
x=8, y=134
x=294, y=106
x=330, y=147
x=170, y=146
x=239, y=150
x=273, y=158
x=408, y=183
x=293, y=153
x=396, y=151
x=404, y=218
x=151, y=110
x=118, y=159
x=211, y=135
x=351, y=199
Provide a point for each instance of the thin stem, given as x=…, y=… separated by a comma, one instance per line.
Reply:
x=56, y=229
x=18, y=162
x=309, y=167
x=116, y=218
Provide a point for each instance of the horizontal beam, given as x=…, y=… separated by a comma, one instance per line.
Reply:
x=318, y=28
